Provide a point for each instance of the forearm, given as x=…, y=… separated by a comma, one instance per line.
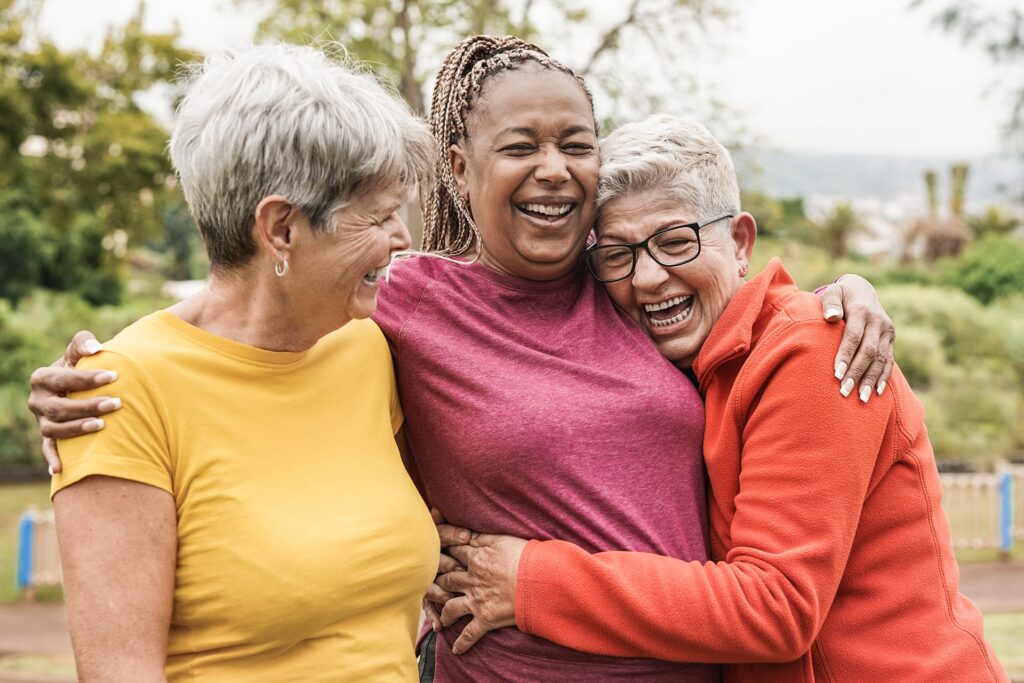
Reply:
x=118, y=543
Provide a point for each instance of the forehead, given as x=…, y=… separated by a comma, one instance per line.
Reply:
x=386, y=197
x=636, y=216
x=529, y=96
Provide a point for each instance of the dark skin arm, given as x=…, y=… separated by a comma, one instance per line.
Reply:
x=863, y=362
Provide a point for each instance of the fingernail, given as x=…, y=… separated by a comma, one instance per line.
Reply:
x=833, y=313
x=93, y=425
x=108, y=405
x=49, y=469
x=92, y=346
x=435, y=625
x=865, y=393
x=881, y=386
x=841, y=370
x=105, y=377
x=846, y=387
x=465, y=537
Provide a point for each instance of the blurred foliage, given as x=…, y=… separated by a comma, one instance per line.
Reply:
x=83, y=169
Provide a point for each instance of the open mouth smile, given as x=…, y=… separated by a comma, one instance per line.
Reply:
x=670, y=311
x=547, y=212
x=376, y=274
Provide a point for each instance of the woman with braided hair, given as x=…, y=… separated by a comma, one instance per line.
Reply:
x=534, y=407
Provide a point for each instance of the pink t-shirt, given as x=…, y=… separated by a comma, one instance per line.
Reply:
x=538, y=409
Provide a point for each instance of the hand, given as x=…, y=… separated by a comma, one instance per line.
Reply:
x=60, y=417
x=436, y=596
x=865, y=357
x=488, y=585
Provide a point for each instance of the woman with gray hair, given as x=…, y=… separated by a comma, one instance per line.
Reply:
x=246, y=515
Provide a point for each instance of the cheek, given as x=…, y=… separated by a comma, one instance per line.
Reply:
x=622, y=294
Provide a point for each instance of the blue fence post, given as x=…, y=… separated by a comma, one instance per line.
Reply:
x=1006, y=515
x=25, y=538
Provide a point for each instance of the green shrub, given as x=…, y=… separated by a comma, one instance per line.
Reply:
x=993, y=267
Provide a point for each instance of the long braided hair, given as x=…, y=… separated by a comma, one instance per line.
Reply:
x=448, y=226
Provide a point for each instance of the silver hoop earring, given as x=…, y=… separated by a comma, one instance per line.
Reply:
x=281, y=269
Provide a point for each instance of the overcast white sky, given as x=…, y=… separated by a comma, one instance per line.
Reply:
x=863, y=76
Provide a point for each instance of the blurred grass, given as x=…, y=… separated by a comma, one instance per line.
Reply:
x=1005, y=633
x=51, y=667
x=14, y=498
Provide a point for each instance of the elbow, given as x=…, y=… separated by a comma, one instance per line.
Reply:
x=786, y=637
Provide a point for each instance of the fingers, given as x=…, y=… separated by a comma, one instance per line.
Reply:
x=850, y=345
x=432, y=616
x=890, y=361
x=453, y=535
x=71, y=429
x=58, y=380
x=60, y=409
x=438, y=595
x=455, y=609
x=83, y=344
x=51, y=455
x=832, y=303
x=447, y=563
x=877, y=374
x=470, y=636
x=452, y=582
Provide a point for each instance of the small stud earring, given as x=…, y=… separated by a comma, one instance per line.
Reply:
x=281, y=269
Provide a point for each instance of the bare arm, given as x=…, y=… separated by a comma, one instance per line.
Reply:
x=118, y=541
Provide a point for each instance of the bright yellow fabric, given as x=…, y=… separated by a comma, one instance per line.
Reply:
x=304, y=549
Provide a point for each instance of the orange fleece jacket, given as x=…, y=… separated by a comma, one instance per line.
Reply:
x=834, y=560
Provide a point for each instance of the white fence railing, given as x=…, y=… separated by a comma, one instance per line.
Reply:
x=981, y=507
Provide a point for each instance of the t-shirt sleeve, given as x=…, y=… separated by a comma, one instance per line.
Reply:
x=133, y=445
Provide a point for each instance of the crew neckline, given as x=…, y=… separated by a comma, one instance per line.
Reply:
x=229, y=347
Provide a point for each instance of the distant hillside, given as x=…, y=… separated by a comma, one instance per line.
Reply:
x=790, y=174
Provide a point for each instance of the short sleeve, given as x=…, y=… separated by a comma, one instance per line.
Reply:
x=133, y=445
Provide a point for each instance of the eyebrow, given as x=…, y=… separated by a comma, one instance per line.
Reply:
x=532, y=132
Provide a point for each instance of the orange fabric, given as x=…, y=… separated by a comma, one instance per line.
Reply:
x=834, y=559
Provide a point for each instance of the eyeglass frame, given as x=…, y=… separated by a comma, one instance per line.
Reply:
x=636, y=246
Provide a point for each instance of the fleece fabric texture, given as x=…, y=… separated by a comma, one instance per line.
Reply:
x=833, y=555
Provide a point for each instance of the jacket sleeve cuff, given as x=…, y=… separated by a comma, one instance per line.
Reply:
x=525, y=580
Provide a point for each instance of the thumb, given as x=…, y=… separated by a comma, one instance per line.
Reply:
x=832, y=304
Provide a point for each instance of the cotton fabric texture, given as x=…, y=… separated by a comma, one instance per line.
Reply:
x=833, y=555
x=538, y=409
x=304, y=549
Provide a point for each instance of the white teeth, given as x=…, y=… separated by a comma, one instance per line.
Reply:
x=548, y=209
x=651, y=308
x=376, y=274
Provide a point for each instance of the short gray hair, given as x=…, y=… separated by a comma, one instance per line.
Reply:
x=294, y=121
x=678, y=158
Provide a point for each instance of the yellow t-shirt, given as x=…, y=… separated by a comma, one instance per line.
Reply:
x=304, y=549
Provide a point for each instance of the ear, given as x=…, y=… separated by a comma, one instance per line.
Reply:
x=276, y=219
x=744, y=234
x=459, y=163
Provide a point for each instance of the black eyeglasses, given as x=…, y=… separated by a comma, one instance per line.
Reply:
x=672, y=246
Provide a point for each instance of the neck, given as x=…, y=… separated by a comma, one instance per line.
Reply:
x=539, y=273
x=252, y=309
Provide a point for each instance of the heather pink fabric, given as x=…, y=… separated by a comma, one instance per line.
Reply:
x=538, y=409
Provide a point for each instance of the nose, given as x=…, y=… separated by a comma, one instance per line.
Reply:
x=400, y=237
x=648, y=274
x=552, y=167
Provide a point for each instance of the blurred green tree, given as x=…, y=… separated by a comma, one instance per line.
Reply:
x=838, y=227
x=992, y=268
x=993, y=221
x=81, y=162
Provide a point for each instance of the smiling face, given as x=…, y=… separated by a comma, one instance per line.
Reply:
x=677, y=306
x=341, y=270
x=529, y=170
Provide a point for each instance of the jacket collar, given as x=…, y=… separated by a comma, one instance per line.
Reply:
x=733, y=334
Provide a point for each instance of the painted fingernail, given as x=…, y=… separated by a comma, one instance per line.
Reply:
x=92, y=346
x=881, y=386
x=105, y=377
x=841, y=370
x=108, y=405
x=846, y=387
x=49, y=469
x=865, y=393
x=94, y=424
x=833, y=313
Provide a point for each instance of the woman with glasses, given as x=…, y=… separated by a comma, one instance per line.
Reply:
x=832, y=556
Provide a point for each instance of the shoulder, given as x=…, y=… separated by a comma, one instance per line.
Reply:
x=147, y=342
